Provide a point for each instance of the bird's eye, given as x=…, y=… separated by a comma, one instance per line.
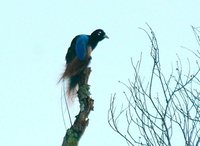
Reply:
x=99, y=33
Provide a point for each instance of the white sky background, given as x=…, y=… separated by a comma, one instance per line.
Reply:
x=34, y=37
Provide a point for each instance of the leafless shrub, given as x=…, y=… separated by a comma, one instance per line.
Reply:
x=164, y=108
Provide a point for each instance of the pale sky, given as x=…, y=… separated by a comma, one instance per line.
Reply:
x=35, y=35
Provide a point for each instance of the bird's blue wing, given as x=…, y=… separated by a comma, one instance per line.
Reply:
x=81, y=46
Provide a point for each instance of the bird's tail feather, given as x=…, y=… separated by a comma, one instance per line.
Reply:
x=72, y=73
x=72, y=69
x=72, y=86
x=73, y=81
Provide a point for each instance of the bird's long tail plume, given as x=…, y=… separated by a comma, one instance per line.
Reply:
x=73, y=73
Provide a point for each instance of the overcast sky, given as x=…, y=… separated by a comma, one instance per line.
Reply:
x=34, y=37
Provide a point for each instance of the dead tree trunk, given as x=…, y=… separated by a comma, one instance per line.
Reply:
x=74, y=133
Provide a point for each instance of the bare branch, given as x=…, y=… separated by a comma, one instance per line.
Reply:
x=155, y=113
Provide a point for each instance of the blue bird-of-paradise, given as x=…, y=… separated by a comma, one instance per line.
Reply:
x=78, y=58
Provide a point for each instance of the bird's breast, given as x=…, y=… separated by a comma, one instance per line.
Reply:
x=89, y=51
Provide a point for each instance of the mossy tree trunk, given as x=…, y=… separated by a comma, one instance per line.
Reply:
x=74, y=133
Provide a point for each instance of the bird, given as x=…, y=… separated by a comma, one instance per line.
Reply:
x=78, y=57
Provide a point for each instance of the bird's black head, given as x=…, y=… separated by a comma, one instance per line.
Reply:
x=98, y=35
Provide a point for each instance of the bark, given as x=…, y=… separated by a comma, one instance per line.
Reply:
x=74, y=133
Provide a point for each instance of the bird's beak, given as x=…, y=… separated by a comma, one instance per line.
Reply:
x=105, y=36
